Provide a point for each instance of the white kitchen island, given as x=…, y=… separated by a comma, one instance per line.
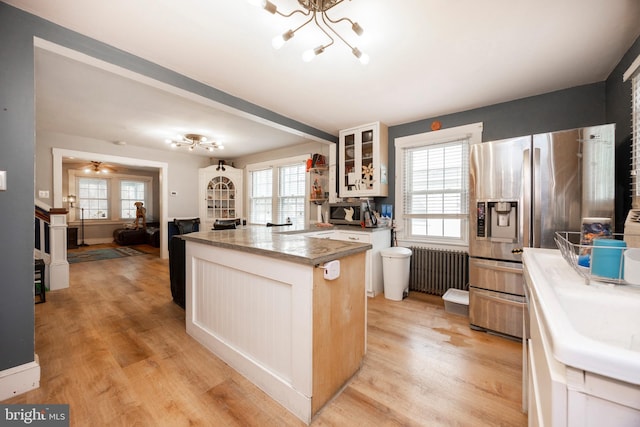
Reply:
x=583, y=350
x=260, y=302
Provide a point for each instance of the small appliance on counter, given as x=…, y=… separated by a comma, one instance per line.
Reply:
x=352, y=213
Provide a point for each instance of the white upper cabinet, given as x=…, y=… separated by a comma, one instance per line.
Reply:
x=363, y=161
x=220, y=193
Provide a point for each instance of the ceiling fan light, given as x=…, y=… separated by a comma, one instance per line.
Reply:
x=357, y=28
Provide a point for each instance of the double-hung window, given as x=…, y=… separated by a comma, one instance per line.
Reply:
x=278, y=191
x=131, y=192
x=261, y=205
x=109, y=198
x=93, y=198
x=291, y=193
x=432, y=186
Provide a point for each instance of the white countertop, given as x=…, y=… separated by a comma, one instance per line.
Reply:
x=594, y=327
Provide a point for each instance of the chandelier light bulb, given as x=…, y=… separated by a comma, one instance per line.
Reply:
x=363, y=57
x=280, y=40
x=357, y=28
x=308, y=55
x=269, y=7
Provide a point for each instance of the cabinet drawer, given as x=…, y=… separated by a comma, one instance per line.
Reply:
x=351, y=236
x=496, y=311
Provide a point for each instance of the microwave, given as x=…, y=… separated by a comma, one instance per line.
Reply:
x=349, y=213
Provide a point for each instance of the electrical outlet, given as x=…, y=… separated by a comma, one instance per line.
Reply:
x=3, y=180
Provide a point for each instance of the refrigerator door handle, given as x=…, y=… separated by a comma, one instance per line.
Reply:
x=526, y=197
x=506, y=267
x=536, y=223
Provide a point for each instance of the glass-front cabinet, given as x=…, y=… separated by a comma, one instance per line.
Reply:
x=221, y=194
x=363, y=161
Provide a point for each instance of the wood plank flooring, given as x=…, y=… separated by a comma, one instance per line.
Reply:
x=114, y=347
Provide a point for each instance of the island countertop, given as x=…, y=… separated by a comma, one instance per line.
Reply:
x=272, y=243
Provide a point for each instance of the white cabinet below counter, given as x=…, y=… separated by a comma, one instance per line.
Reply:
x=582, y=359
x=378, y=238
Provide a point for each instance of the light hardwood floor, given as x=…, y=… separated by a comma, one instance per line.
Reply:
x=113, y=346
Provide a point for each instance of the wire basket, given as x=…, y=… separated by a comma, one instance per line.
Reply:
x=578, y=255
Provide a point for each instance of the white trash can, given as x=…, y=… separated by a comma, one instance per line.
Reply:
x=396, y=262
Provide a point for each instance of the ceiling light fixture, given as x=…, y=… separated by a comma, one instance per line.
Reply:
x=97, y=168
x=313, y=8
x=193, y=140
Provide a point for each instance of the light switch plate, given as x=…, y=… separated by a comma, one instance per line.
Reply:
x=3, y=180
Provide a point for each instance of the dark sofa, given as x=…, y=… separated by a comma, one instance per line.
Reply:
x=130, y=236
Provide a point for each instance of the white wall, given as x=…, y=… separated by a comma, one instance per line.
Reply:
x=182, y=167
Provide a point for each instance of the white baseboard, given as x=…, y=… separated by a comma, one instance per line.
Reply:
x=19, y=379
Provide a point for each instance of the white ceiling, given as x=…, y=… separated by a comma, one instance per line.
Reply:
x=428, y=58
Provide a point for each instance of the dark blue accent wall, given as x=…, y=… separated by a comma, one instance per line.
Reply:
x=17, y=150
x=565, y=109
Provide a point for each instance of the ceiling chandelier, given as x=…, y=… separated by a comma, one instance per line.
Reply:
x=316, y=10
x=193, y=140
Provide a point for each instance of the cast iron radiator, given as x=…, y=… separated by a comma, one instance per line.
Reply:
x=433, y=271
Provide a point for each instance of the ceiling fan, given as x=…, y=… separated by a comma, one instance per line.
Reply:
x=98, y=168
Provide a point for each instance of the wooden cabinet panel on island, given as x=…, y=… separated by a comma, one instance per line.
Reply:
x=220, y=194
x=363, y=161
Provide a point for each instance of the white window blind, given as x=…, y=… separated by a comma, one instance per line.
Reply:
x=633, y=73
x=435, y=191
x=635, y=131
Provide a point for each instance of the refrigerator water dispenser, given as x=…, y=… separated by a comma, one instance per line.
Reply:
x=503, y=224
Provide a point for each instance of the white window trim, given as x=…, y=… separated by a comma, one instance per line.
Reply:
x=472, y=132
x=113, y=187
x=274, y=165
x=632, y=70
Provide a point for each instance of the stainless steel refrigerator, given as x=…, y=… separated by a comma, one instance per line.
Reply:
x=523, y=190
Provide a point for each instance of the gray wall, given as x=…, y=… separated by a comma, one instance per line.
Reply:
x=566, y=109
x=17, y=146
